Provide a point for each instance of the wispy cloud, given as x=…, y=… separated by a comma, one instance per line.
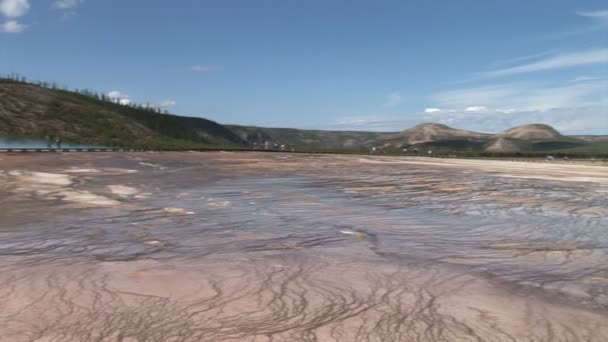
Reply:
x=166, y=104
x=586, y=78
x=488, y=95
x=204, y=68
x=573, y=59
x=376, y=123
x=523, y=96
x=12, y=26
x=393, y=99
x=520, y=59
x=595, y=21
x=600, y=15
x=67, y=8
x=67, y=4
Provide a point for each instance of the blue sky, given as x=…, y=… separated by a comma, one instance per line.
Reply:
x=329, y=64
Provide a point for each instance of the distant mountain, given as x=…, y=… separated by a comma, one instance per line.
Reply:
x=315, y=139
x=426, y=136
x=532, y=137
x=32, y=111
x=430, y=132
x=531, y=132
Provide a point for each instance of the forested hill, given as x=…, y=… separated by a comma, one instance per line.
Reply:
x=38, y=110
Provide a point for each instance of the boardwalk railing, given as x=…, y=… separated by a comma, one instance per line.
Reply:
x=77, y=149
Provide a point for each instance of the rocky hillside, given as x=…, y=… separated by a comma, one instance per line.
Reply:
x=32, y=111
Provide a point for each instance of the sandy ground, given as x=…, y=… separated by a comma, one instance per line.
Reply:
x=292, y=247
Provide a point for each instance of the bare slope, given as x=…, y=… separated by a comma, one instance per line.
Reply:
x=501, y=145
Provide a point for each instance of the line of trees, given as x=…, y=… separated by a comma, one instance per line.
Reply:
x=15, y=77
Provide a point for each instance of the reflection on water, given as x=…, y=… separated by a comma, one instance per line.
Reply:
x=6, y=143
x=242, y=247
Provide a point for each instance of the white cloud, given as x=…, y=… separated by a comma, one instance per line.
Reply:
x=432, y=110
x=589, y=57
x=67, y=4
x=14, y=8
x=12, y=26
x=475, y=109
x=115, y=94
x=124, y=99
x=119, y=97
x=393, y=99
x=204, y=68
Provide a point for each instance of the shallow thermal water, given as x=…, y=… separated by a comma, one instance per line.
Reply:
x=279, y=247
x=36, y=144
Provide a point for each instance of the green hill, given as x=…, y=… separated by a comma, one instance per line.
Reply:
x=33, y=111
x=317, y=140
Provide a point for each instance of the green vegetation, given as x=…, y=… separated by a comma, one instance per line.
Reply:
x=307, y=139
x=34, y=111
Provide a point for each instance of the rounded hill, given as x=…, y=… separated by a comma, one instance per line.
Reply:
x=531, y=132
x=428, y=132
